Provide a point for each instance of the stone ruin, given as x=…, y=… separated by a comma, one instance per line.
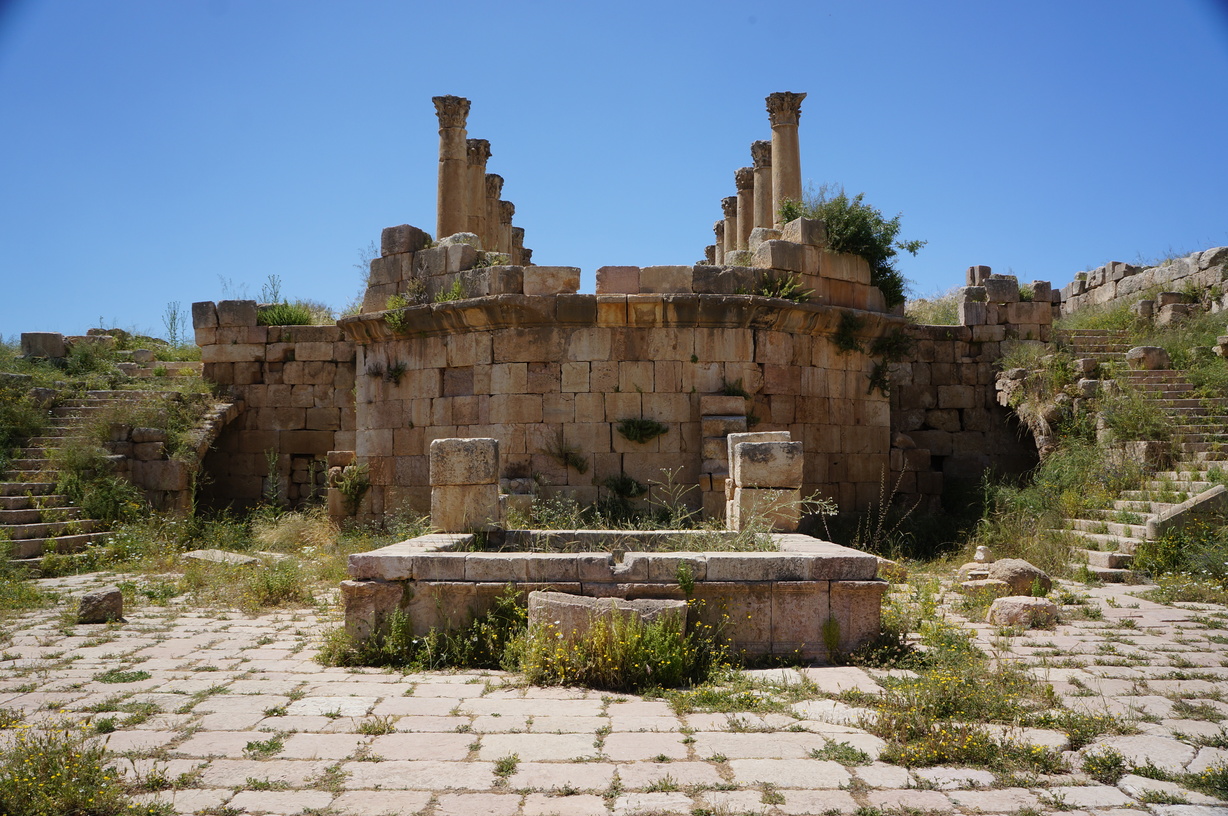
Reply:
x=645, y=379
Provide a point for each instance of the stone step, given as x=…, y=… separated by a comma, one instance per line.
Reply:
x=1104, y=541
x=33, y=548
x=1109, y=575
x=24, y=475
x=1107, y=560
x=15, y=488
x=34, y=515
x=29, y=464
x=1148, y=507
x=27, y=502
x=1112, y=528
x=51, y=529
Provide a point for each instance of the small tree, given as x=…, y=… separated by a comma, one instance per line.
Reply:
x=856, y=228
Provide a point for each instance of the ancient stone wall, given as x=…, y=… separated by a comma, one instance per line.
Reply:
x=1117, y=282
x=295, y=385
x=545, y=370
x=945, y=419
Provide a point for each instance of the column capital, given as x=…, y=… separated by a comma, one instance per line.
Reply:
x=761, y=153
x=719, y=229
x=494, y=186
x=478, y=149
x=729, y=206
x=744, y=178
x=785, y=107
x=506, y=211
x=451, y=110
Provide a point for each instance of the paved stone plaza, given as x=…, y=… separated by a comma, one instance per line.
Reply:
x=257, y=726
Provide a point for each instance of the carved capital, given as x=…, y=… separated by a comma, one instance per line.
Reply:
x=744, y=178
x=785, y=108
x=729, y=206
x=479, y=150
x=494, y=186
x=451, y=110
x=761, y=153
x=719, y=229
x=506, y=210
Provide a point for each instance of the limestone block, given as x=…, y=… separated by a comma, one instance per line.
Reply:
x=1148, y=358
x=465, y=508
x=972, y=313
x=1021, y=576
x=665, y=279
x=459, y=257
x=758, y=566
x=164, y=474
x=839, y=266
x=800, y=609
x=618, y=280
x=101, y=606
x=1016, y=610
x=724, y=280
x=856, y=610
x=204, y=315
x=720, y=405
x=392, y=563
x=237, y=313
x=464, y=461
x=403, y=238
x=1144, y=309
x=739, y=257
x=812, y=231
x=1042, y=292
x=787, y=256
x=779, y=510
x=551, y=280
x=738, y=437
x=977, y=274
x=972, y=294
x=569, y=616
x=43, y=344
x=767, y=464
x=1001, y=289
x=368, y=605
x=500, y=568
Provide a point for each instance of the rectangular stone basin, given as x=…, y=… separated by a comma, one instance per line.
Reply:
x=799, y=599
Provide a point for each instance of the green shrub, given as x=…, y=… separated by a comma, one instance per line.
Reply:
x=58, y=770
x=286, y=314
x=641, y=429
x=786, y=286
x=84, y=474
x=20, y=418
x=938, y=309
x=454, y=292
x=857, y=228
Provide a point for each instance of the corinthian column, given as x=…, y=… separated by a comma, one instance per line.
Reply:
x=744, y=179
x=475, y=185
x=518, y=246
x=453, y=196
x=784, y=111
x=494, y=189
x=729, y=205
x=506, y=212
x=761, y=157
x=719, y=229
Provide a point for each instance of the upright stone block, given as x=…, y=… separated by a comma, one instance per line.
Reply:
x=1001, y=289
x=464, y=508
x=237, y=313
x=780, y=510
x=665, y=280
x=403, y=238
x=618, y=280
x=551, y=280
x=977, y=274
x=43, y=344
x=464, y=462
x=767, y=464
x=204, y=315
x=753, y=436
x=811, y=231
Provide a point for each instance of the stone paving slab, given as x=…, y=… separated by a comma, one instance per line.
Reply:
x=427, y=742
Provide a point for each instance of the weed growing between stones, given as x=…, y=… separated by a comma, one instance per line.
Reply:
x=57, y=769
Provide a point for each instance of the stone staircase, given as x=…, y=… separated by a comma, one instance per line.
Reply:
x=33, y=517
x=1199, y=443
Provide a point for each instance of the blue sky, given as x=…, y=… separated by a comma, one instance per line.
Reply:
x=154, y=152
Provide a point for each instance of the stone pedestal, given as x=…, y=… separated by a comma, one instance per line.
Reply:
x=761, y=158
x=784, y=110
x=490, y=231
x=729, y=205
x=478, y=153
x=744, y=179
x=464, y=475
x=453, y=194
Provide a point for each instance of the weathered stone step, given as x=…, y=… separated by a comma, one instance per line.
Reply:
x=51, y=529
x=1107, y=560
x=25, y=502
x=1110, y=575
x=35, y=515
x=16, y=488
x=37, y=547
x=1112, y=528
x=1142, y=507
x=1105, y=541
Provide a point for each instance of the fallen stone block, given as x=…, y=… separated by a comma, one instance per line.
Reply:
x=1021, y=576
x=1148, y=358
x=1017, y=610
x=101, y=606
x=220, y=557
x=43, y=344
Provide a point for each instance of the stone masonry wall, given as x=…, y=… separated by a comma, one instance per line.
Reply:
x=527, y=360
x=295, y=387
x=1118, y=282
